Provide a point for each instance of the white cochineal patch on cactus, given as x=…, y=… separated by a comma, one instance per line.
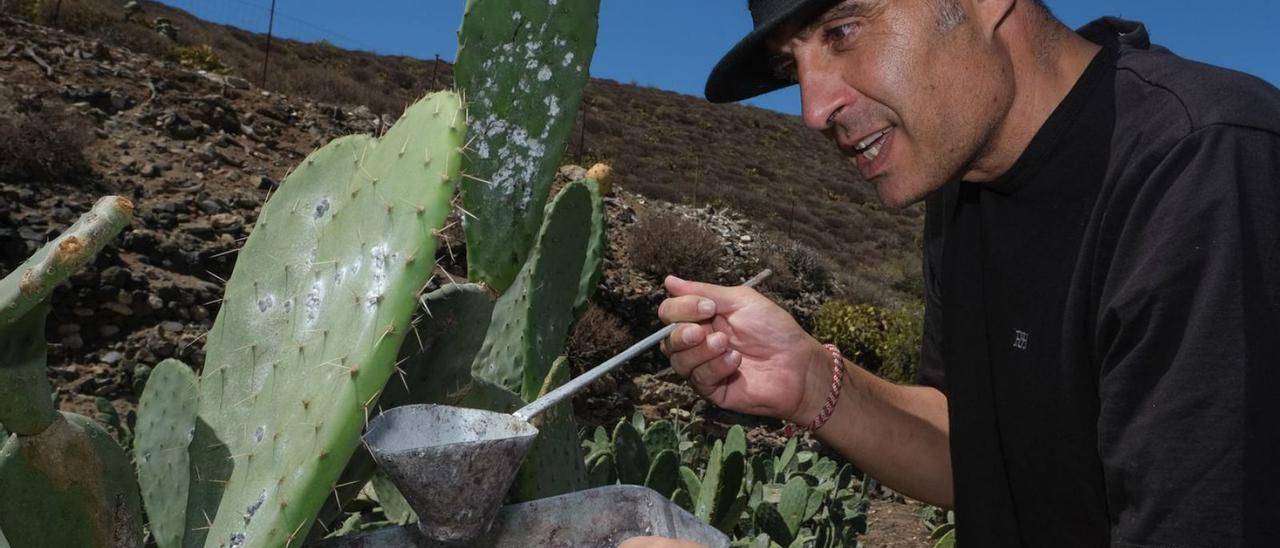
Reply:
x=310, y=259
x=518, y=157
x=321, y=208
x=521, y=153
x=311, y=304
x=382, y=261
x=341, y=272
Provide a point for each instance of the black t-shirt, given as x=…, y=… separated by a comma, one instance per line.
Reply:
x=1105, y=317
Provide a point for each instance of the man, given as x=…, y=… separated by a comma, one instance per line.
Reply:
x=1102, y=259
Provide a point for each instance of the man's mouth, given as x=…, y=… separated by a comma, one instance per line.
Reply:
x=869, y=147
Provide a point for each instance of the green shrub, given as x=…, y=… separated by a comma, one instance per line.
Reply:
x=23, y=9
x=885, y=341
x=201, y=57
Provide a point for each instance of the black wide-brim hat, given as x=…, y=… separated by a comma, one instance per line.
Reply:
x=746, y=71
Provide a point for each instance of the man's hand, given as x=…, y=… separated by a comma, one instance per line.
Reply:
x=658, y=542
x=743, y=352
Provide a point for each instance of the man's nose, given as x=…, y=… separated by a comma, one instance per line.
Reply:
x=823, y=93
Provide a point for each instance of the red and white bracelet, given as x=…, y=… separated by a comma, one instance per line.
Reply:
x=837, y=382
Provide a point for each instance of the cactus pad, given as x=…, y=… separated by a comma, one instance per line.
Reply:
x=522, y=65
x=660, y=436
x=630, y=454
x=436, y=368
x=31, y=282
x=69, y=485
x=664, y=473
x=25, y=406
x=165, y=428
x=311, y=322
x=597, y=246
x=531, y=320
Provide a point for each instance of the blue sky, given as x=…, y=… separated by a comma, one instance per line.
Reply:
x=672, y=44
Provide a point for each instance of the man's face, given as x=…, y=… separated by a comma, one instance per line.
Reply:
x=910, y=97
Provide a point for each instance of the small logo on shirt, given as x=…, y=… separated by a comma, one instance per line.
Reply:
x=1020, y=339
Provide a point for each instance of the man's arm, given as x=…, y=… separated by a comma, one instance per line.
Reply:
x=1188, y=339
x=898, y=434
x=744, y=353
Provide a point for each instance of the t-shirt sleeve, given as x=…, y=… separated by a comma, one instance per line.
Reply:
x=1188, y=342
x=938, y=207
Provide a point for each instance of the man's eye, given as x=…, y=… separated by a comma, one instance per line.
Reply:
x=840, y=35
x=784, y=69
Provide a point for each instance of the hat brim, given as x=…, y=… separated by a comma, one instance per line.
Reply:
x=746, y=71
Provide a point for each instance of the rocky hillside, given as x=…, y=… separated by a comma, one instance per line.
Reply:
x=681, y=149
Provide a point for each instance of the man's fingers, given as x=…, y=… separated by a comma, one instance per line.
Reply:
x=683, y=361
x=705, y=377
x=679, y=287
x=686, y=308
x=686, y=336
x=726, y=298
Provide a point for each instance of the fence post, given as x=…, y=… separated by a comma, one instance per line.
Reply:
x=271, y=22
x=435, y=69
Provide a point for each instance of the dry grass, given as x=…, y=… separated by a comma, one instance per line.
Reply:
x=43, y=147
x=665, y=243
x=596, y=337
x=797, y=268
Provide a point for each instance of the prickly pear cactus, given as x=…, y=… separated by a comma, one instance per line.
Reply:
x=718, y=500
x=32, y=282
x=69, y=485
x=522, y=65
x=664, y=473
x=437, y=367
x=65, y=480
x=630, y=454
x=25, y=406
x=531, y=320
x=310, y=326
x=166, y=426
x=794, y=502
x=597, y=246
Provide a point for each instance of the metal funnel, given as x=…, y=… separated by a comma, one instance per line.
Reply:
x=453, y=465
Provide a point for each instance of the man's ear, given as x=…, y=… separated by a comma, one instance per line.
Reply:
x=990, y=14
